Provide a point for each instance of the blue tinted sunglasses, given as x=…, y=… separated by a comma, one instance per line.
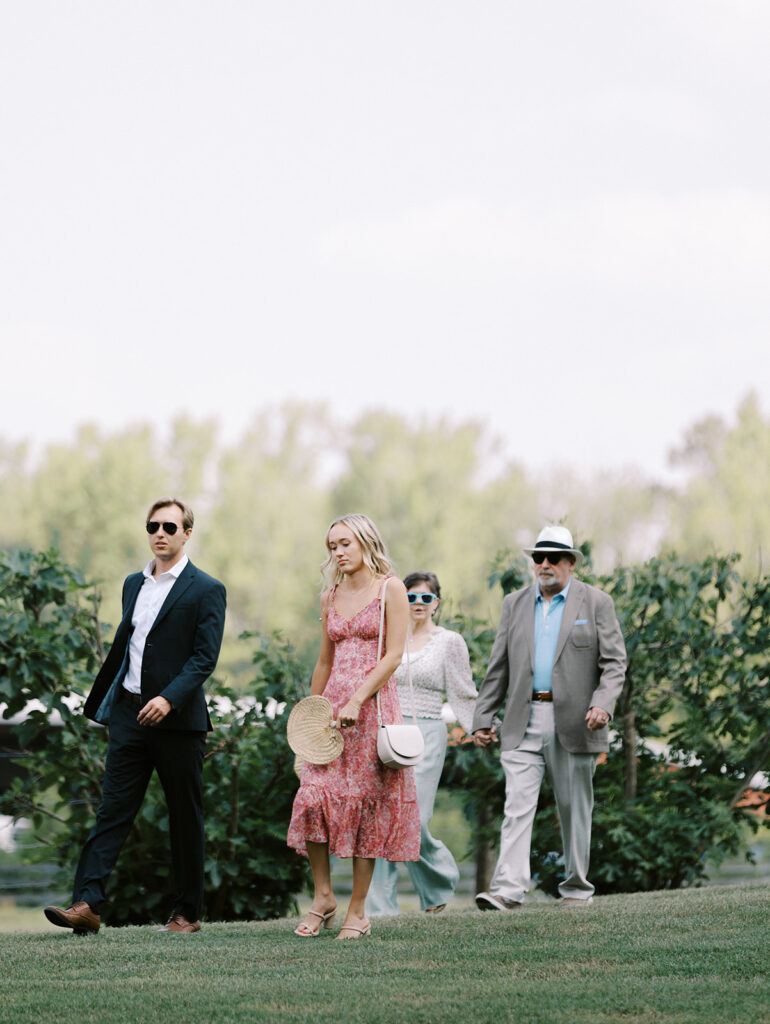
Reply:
x=412, y=598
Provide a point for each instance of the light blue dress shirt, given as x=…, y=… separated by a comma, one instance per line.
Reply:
x=548, y=616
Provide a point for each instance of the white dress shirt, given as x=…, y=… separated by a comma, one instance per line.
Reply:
x=148, y=603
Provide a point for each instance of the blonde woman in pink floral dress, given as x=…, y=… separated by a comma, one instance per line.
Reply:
x=355, y=806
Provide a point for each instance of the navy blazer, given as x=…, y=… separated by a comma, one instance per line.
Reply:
x=180, y=652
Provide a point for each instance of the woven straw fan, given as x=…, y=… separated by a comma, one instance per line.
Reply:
x=311, y=731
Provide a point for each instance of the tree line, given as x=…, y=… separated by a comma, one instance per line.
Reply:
x=442, y=493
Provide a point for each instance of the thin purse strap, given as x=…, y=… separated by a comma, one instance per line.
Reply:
x=382, y=619
x=408, y=663
x=379, y=644
x=409, y=680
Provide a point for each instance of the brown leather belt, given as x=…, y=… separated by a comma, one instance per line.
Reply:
x=132, y=698
x=546, y=695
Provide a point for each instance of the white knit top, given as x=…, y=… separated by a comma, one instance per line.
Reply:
x=441, y=667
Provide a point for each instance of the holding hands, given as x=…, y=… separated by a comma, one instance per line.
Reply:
x=483, y=737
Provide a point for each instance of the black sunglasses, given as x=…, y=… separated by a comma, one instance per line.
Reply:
x=554, y=557
x=422, y=598
x=168, y=528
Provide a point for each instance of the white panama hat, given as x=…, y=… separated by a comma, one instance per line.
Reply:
x=556, y=538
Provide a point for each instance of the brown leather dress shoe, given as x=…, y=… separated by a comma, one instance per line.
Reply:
x=79, y=917
x=178, y=923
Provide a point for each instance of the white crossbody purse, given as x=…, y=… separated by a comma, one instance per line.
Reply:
x=398, y=746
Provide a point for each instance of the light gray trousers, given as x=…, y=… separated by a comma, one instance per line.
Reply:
x=571, y=776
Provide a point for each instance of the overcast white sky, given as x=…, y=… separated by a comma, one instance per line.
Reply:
x=553, y=217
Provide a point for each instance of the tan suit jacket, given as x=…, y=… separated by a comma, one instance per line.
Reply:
x=588, y=670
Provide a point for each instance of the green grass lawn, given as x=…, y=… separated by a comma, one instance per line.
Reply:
x=699, y=955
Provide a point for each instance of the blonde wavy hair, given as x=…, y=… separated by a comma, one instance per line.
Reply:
x=376, y=557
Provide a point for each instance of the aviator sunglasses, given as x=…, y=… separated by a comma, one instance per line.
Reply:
x=422, y=598
x=554, y=557
x=168, y=528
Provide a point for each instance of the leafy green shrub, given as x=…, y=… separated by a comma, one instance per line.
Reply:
x=50, y=647
x=249, y=787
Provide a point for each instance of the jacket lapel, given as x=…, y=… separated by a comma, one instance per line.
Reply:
x=528, y=619
x=185, y=580
x=573, y=602
x=123, y=632
x=136, y=584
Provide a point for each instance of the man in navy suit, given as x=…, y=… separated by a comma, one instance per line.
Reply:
x=150, y=693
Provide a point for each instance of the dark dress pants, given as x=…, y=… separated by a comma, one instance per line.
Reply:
x=132, y=754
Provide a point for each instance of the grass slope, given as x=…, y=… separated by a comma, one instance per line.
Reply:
x=694, y=956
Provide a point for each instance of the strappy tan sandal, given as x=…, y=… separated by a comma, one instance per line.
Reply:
x=305, y=931
x=352, y=928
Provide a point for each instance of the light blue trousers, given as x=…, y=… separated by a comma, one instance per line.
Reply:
x=435, y=874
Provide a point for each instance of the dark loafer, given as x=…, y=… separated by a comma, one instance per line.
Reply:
x=79, y=917
x=178, y=923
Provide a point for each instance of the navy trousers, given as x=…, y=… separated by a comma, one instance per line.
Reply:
x=133, y=752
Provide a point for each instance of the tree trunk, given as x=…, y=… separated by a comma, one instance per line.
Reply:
x=486, y=855
x=629, y=754
x=629, y=738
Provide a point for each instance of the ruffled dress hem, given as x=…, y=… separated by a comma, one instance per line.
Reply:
x=367, y=827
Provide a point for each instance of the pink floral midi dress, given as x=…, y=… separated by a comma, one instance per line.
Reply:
x=355, y=804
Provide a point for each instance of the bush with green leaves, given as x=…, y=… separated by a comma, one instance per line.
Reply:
x=50, y=647
x=691, y=729
x=249, y=787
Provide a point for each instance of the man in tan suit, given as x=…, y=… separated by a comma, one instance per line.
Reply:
x=557, y=667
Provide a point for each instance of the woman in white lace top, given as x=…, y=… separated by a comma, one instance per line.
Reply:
x=440, y=669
